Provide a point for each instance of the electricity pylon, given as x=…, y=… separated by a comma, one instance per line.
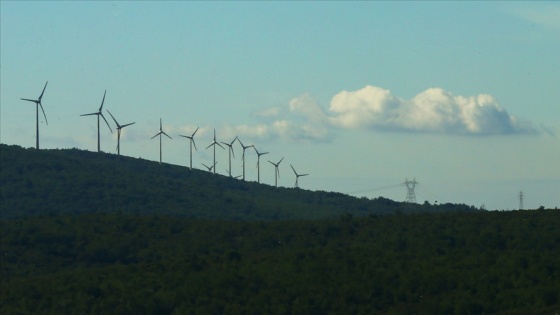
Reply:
x=410, y=195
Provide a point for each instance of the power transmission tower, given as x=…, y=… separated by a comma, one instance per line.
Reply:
x=410, y=195
x=521, y=200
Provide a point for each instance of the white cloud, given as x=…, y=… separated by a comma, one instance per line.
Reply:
x=434, y=111
x=363, y=107
x=301, y=119
x=375, y=108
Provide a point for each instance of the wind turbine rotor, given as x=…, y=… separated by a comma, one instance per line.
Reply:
x=163, y=132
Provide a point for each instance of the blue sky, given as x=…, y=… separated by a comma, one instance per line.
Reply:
x=462, y=96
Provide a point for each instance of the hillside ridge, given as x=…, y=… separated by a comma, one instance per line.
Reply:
x=58, y=181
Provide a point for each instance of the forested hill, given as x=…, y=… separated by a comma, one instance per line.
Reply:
x=43, y=182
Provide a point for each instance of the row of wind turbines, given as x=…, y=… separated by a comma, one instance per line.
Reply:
x=211, y=168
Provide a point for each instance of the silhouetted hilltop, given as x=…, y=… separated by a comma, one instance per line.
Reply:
x=74, y=181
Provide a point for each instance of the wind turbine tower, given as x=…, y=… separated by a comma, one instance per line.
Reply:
x=410, y=195
x=214, y=143
x=191, y=138
x=276, y=171
x=37, y=105
x=243, y=157
x=259, y=163
x=161, y=132
x=521, y=195
x=119, y=128
x=100, y=113
x=230, y=152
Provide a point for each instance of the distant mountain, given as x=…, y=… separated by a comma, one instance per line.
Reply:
x=42, y=182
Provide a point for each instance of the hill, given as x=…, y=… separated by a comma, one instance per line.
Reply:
x=95, y=233
x=73, y=181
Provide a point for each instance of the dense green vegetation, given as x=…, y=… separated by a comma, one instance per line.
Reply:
x=36, y=182
x=449, y=263
x=95, y=233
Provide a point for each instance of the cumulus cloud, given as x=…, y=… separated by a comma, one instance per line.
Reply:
x=433, y=111
x=300, y=119
x=377, y=109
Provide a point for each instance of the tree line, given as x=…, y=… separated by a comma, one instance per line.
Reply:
x=431, y=263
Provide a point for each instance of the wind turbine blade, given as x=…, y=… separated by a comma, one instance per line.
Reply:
x=194, y=133
x=219, y=145
x=103, y=101
x=271, y=163
x=41, y=96
x=293, y=169
x=128, y=125
x=280, y=161
x=106, y=122
x=160, y=124
x=157, y=134
x=194, y=144
x=116, y=123
x=303, y=174
x=166, y=135
x=184, y=136
x=40, y=105
x=211, y=144
x=90, y=114
x=26, y=99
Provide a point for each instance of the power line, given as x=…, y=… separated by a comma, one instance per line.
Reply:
x=427, y=192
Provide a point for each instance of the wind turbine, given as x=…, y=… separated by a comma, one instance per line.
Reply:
x=297, y=176
x=161, y=132
x=38, y=104
x=243, y=158
x=258, y=163
x=276, y=171
x=230, y=145
x=119, y=128
x=191, y=138
x=214, y=143
x=229, y=172
x=99, y=113
x=210, y=167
